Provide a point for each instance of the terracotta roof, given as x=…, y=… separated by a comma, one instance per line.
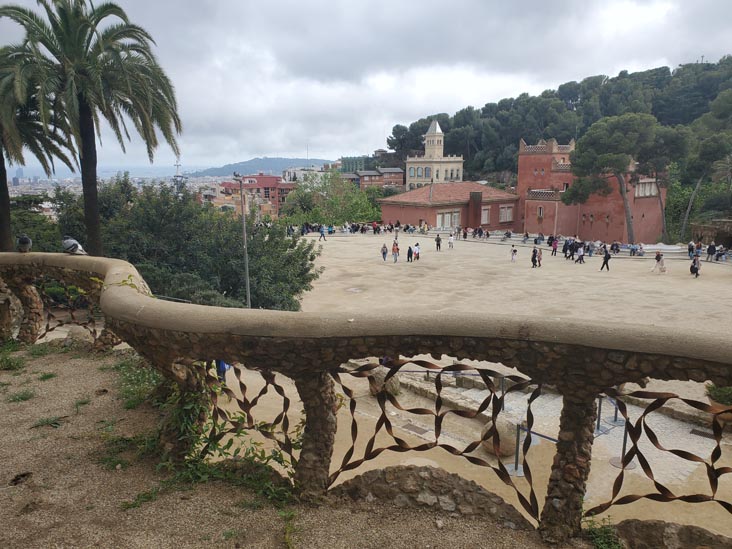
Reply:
x=448, y=193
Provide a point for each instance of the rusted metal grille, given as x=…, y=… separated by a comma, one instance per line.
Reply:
x=64, y=305
x=227, y=423
x=641, y=428
x=493, y=403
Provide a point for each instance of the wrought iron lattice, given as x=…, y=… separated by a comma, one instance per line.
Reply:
x=493, y=402
x=66, y=304
x=228, y=423
x=640, y=427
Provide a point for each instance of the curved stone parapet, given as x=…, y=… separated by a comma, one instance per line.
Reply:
x=580, y=360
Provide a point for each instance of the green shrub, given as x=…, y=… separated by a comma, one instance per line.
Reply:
x=11, y=363
x=21, y=396
x=42, y=349
x=136, y=381
x=46, y=376
x=723, y=395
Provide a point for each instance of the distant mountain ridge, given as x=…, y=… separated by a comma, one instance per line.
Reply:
x=269, y=166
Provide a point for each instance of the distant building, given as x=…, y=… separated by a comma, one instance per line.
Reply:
x=433, y=166
x=353, y=164
x=298, y=175
x=453, y=204
x=267, y=192
x=380, y=177
x=545, y=172
x=16, y=182
x=19, y=173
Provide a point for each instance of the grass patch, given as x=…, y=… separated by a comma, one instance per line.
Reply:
x=11, y=363
x=230, y=534
x=142, y=497
x=21, y=396
x=121, y=451
x=46, y=376
x=10, y=346
x=4, y=385
x=54, y=422
x=136, y=381
x=288, y=516
x=602, y=535
x=39, y=350
x=81, y=402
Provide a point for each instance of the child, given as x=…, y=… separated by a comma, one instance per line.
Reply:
x=514, y=253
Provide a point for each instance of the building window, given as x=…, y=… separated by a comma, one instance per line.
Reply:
x=437, y=175
x=457, y=174
x=427, y=173
x=646, y=189
x=540, y=211
x=419, y=172
x=452, y=175
x=266, y=192
x=566, y=186
x=445, y=174
x=411, y=172
x=505, y=214
x=485, y=216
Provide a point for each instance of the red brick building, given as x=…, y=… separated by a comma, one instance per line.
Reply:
x=380, y=177
x=448, y=205
x=269, y=191
x=544, y=173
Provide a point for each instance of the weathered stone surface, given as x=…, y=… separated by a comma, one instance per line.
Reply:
x=377, y=383
x=506, y=428
x=436, y=489
x=651, y=534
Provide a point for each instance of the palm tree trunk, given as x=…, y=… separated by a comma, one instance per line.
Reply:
x=88, y=161
x=682, y=232
x=6, y=234
x=626, y=205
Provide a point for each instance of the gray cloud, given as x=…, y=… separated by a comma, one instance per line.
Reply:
x=286, y=76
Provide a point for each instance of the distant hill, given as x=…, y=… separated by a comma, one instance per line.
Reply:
x=273, y=166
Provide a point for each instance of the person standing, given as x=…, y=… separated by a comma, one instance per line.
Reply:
x=451, y=241
x=690, y=247
x=438, y=242
x=416, y=252
x=465, y=233
x=395, y=251
x=514, y=253
x=555, y=245
x=695, y=266
x=658, y=258
x=534, y=255
x=410, y=253
x=322, y=233
x=711, y=251
x=384, y=251
x=538, y=257
x=605, y=258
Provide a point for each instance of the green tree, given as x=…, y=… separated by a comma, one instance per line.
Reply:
x=609, y=147
x=27, y=217
x=96, y=63
x=24, y=123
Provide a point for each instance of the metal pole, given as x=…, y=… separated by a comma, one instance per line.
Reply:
x=625, y=441
x=503, y=393
x=599, y=412
x=518, y=444
x=244, y=235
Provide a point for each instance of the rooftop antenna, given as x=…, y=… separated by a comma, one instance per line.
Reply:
x=179, y=180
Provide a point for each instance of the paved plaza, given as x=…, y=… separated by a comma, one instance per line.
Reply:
x=479, y=277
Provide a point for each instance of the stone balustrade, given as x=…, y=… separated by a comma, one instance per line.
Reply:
x=579, y=361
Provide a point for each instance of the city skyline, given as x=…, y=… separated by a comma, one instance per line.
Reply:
x=327, y=80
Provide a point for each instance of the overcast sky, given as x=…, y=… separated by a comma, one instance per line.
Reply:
x=330, y=79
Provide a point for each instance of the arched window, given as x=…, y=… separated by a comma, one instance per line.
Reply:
x=427, y=173
x=445, y=174
x=419, y=172
x=452, y=175
x=411, y=171
x=437, y=174
x=457, y=174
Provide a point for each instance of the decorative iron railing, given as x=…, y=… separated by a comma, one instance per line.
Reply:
x=302, y=360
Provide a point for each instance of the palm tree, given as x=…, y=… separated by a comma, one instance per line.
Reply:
x=95, y=73
x=27, y=120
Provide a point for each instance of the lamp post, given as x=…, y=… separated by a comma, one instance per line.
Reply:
x=239, y=178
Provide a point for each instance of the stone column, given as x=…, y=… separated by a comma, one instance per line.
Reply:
x=317, y=393
x=6, y=316
x=106, y=340
x=32, y=322
x=561, y=517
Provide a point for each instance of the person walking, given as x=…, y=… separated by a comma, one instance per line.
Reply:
x=410, y=253
x=416, y=252
x=580, y=253
x=534, y=254
x=555, y=245
x=451, y=241
x=322, y=233
x=695, y=266
x=605, y=259
x=438, y=242
x=711, y=251
x=538, y=257
x=395, y=251
x=384, y=251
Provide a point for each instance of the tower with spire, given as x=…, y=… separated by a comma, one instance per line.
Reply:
x=433, y=166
